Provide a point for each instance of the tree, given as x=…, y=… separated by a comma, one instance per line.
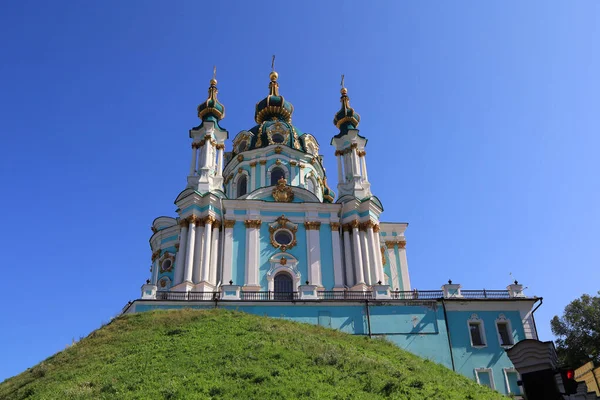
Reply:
x=578, y=331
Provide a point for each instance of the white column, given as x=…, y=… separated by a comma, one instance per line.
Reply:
x=348, y=257
x=220, y=148
x=339, y=166
x=263, y=172
x=393, y=265
x=374, y=255
x=252, y=176
x=227, y=272
x=403, y=265
x=338, y=276
x=207, y=245
x=293, y=173
x=358, y=258
x=194, y=156
x=214, y=251
x=198, y=250
x=313, y=241
x=365, y=257
x=181, y=253
x=379, y=256
x=301, y=174
x=363, y=163
x=202, y=149
x=252, y=227
x=355, y=162
x=189, y=259
x=155, y=268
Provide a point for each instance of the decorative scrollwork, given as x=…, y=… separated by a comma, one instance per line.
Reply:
x=282, y=192
x=282, y=223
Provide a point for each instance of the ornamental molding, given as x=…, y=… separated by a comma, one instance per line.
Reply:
x=252, y=163
x=283, y=262
x=241, y=137
x=167, y=256
x=229, y=223
x=253, y=223
x=278, y=150
x=278, y=128
x=391, y=243
x=282, y=192
x=293, y=163
x=296, y=139
x=354, y=224
x=240, y=158
x=155, y=255
x=263, y=162
x=335, y=226
x=376, y=228
x=312, y=225
x=282, y=223
x=220, y=146
x=382, y=255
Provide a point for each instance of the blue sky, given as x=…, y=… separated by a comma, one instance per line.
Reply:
x=482, y=120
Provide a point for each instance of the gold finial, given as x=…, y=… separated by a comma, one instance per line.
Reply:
x=273, y=75
x=213, y=81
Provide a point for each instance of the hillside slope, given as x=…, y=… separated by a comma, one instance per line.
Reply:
x=190, y=354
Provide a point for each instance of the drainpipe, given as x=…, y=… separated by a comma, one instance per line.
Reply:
x=368, y=317
x=448, y=330
x=541, y=299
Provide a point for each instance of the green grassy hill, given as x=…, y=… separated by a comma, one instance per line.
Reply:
x=221, y=354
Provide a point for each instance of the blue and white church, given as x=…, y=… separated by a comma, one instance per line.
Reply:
x=259, y=230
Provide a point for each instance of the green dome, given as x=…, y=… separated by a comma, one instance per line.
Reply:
x=274, y=106
x=276, y=132
x=211, y=109
x=346, y=118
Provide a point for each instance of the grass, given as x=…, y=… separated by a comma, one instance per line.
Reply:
x=218, y=354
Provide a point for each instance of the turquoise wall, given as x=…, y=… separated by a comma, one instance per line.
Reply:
x=238, y=270
x=327, y=274
x=420, y=329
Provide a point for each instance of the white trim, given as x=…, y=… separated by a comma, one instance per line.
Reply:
x=285, y=169
x=291, y=264
x=503, y=320
x=490, y=373
x=506, y=371
x=474, y=319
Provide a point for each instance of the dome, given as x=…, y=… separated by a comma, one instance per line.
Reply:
x=211, y=109
x=274, y=106
x=328, y=194
x=346, y=118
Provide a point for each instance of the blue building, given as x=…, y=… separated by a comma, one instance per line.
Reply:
x=259, y=230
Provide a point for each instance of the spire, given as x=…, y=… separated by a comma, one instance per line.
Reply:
x=273, y=85
x=212, y=108
x=274, y=105
x=345, y=118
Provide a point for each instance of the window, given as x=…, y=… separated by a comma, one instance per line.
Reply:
x=284, y=286
x=242, y=186
x=484, y=377
x=504, y=334
x=242, y=146
x=476, y=333
x=283, y=237
x=511, y=377
x=166, y=265
x=310, y=185
x=276, y=174
x=277, y=138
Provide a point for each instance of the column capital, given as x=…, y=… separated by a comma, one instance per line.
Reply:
x=240, y=158
x=382, y=255
x=339, y=152
x=184, y=223
x=262, y=162
x=354, y=146
x=376, y=228
x=335, y=226
x=361, y=153
x=346, y=227
x=293, y=163
x=278, y=150
x=253, y=223
x=192, y=219
x=354, y=224
x=220, y=146
x=229, y=223
x=312, y=225
x=369, y=224
x=209, y=220
x=252, y=163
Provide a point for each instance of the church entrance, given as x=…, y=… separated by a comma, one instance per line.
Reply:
x=284, y=286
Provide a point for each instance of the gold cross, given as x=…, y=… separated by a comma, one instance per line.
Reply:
x=342, y=82
x=273, y=63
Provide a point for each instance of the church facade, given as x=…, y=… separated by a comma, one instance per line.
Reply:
x=259, y=230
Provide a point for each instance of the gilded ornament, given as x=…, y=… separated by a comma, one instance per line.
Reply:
x=293, y=163
x=369, y=224
x=390, y=244
x=209, y=220
x=240, y=158
x=301, y=166
x=346, y=228
x=278, y=129
x=155, y=255
x=382, y=255
x=376, y=228
x=354, y=224
x=229, y=223
x=278, y=150
x=201, y=143
x=278, y=162
x=402, y=244
x=335, y=226
x=312, y=225
x=163, y=283
x=220, y=146
x=240, y=170
x=184, y=223
x=283, y=223
x=259, y=137
x=282, y=192
x=263, y=162
x=216, y=225
x=283, y=261
x=354, y=145
x=253, y=164
x=177, y=246
x=253, y=223
x=296, y=139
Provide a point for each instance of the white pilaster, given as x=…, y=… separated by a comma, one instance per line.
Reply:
x=365, y=258
x=404, y=266
x=252, y=227
x=220, y=160
x=358, y=257
x=348, y=258
x=374, y=256
x=314, y=252
x=363, y=164
x=212, y=276
x=252, y=176
x=379, y=255
x=338, y=275
x=155, y=268
x=189, y=259
x=227, y=272
x=207, y=245
x=339, y=165
x=198, y=250
x=393, y=266
x=263, y=172
x=181, y=253
x=194, y=157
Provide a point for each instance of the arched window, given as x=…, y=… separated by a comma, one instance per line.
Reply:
x=310, y=185
x=276, y=174
x=283, y=286
x=242, y=146
x=242, y=186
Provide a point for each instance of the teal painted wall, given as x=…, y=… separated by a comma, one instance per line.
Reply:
x=468, y=358
x=326, y=245
x=238, y=271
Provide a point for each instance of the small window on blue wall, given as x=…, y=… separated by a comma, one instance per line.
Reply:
x=242, y=186
x=484, y=377
x=276, y=174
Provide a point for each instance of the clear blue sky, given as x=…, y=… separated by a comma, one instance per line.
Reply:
x=482, y=120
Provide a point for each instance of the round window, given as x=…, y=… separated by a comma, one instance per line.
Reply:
x=283, y=237
x=278, y=138
x=166, y=265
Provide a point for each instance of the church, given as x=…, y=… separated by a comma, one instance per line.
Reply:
x=258, y=229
